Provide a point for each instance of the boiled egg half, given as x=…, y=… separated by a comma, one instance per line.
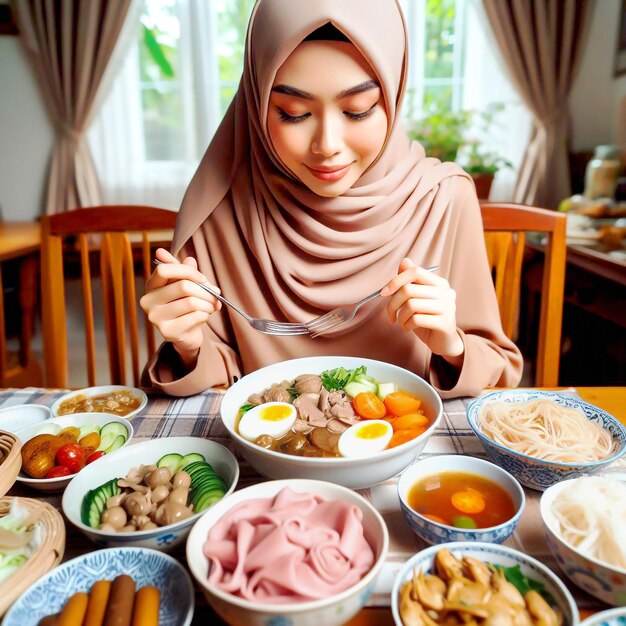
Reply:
x=365, y=438
x=271, y=418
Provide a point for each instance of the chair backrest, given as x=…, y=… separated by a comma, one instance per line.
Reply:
x=122, y=238
x=505, y=228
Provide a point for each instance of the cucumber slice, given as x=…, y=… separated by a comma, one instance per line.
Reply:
x=95, y=501
x=364, y=378
x=384, y=389
x=354, y=389
x=171, y=461
x=106, y=441
x=87, y=429
x=190, y=458
x=115, y=428
x=206, y=486
x=118, y=442
x=49, y=429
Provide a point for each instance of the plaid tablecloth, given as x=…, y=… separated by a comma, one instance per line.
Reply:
x=198, y=416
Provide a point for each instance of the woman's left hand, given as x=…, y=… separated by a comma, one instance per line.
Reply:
x=425, y=303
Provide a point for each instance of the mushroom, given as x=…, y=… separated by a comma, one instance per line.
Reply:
x=507, y=590
x=478, y=571
x=540, y=610
x=411, y=611
x=179, y=495
x=325, y=440
x=308, y=383
x=158, y=476
x=124, y=483
x=429, y=590
x=448, y=566
x=137, y=504
x=116, y=500
x=159, y=493
x=171, y=512
x=181, y=479
x=295, y=444
x=462, y=590
x=115, y=517
x=277, y=393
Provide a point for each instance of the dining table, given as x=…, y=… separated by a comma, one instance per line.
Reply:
x=198, y=416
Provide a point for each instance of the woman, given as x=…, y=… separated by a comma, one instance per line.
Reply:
x=310, y=197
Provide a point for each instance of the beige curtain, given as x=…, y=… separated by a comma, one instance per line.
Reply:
x=69, y=43
x=542, y=43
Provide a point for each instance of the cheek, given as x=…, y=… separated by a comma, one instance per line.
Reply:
x=367, y=138
x=290, y=141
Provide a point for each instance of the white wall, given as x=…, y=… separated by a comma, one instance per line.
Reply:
x=592, y=97
x=25, y=135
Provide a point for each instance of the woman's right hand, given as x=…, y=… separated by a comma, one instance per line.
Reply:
x=177, y=307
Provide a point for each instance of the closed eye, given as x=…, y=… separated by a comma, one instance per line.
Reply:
x=360, y=116
x=292, y=119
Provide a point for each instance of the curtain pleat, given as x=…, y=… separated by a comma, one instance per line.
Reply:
x=542, y=42
x=69, y=43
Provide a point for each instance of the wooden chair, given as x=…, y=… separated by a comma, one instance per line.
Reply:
x=112, y=234
x=505, y=228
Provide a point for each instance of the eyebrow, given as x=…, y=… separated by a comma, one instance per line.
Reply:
x=297, y=93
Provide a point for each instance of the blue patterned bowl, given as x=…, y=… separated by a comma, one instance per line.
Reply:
x=602, y=580
x=537, y=473
x=146, y=567
x=498, y=555
x=432, y=531
x=612, y=617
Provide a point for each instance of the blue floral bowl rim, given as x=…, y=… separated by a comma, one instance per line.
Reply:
x=604, y=616
x=136, y=549
x=469, y=545
x=473, y=406
x=470, y=532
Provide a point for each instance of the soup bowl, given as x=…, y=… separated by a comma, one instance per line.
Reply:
x=602, y=580
x=356, y=473
x=434, y=532
x=331, y=611
x=539, y=473
x=139, y=397
x=497, y=555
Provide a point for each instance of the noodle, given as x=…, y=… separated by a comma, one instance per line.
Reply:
x=546, y=430
x=591, y=517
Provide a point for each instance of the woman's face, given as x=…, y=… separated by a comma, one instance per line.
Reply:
x=327, y=120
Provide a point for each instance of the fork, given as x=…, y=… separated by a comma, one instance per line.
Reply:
x=315, y=327
x=325, y=323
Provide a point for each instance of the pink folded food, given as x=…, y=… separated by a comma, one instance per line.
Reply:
x=294, y=547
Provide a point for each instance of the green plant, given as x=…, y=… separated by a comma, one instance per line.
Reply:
x=456, y=136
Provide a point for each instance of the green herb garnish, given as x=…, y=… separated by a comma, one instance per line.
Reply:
x=245, y=408
x=337, y=379
x=524, y=584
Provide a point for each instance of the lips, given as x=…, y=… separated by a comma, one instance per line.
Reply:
x=329, y=173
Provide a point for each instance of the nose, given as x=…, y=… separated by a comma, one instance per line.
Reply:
x=328, y=138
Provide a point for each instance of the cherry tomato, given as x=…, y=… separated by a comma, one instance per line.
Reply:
x=94, y=456
x=368, y=406
x=72, y=456
x=400, y=403
x=57, y=471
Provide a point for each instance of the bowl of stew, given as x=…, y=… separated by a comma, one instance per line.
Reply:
x=113, y=399
x=351, y=421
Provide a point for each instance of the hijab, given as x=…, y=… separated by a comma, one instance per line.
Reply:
x=316, y=253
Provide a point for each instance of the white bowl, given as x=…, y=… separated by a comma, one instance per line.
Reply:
x=433, y=532
x=101, y=390
x=602, y=580
x=331, y=611
x=14, y=418
x=353, y=473
x=612, y=617
x=147, y=567
x=77, y=419
x=146, y=453
x=498, y=555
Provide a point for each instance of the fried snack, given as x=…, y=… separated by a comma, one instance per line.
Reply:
x=120, y=606
x=146, y=608
x=97, y=606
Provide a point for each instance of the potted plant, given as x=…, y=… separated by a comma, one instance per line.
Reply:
x=455, y=136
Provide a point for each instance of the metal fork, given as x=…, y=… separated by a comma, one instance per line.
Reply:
x=315, y=327
x=269, y=327
x=325, y=323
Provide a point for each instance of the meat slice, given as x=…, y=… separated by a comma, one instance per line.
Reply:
x=335, y=426
x=344, y=412
x=302, y=426
x=324, y=404
x=306, y=405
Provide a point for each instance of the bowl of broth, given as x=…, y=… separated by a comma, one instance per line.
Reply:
x=451, y=497
x=351, y=421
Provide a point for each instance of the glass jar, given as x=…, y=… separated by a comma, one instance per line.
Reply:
x=602, y=173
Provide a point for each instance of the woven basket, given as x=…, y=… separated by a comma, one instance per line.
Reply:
x=10, y=460
x=47, y=556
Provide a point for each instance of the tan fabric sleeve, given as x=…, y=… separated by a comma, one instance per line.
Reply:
x=490, y=358
x=218, y=362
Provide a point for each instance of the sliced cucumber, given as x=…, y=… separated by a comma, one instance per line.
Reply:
x=384, y=389
x=95, y=500
x=171, y=461
x=354, y=389
x=106, y=441
x=190, y=458
x=49, y=429
x=206, y=486
x=115, y=428
x=87, y=429
x=118, y=442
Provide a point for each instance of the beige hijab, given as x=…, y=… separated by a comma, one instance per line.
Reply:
x=317, y=253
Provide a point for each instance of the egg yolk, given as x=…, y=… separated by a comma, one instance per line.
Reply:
x=275, y=413
x=371, y=431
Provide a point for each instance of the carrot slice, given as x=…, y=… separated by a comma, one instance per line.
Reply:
x=369, y=406
x=435, y=518
x=410, y=421
x=402, y=403
x=468, y=501
x=402, y=436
